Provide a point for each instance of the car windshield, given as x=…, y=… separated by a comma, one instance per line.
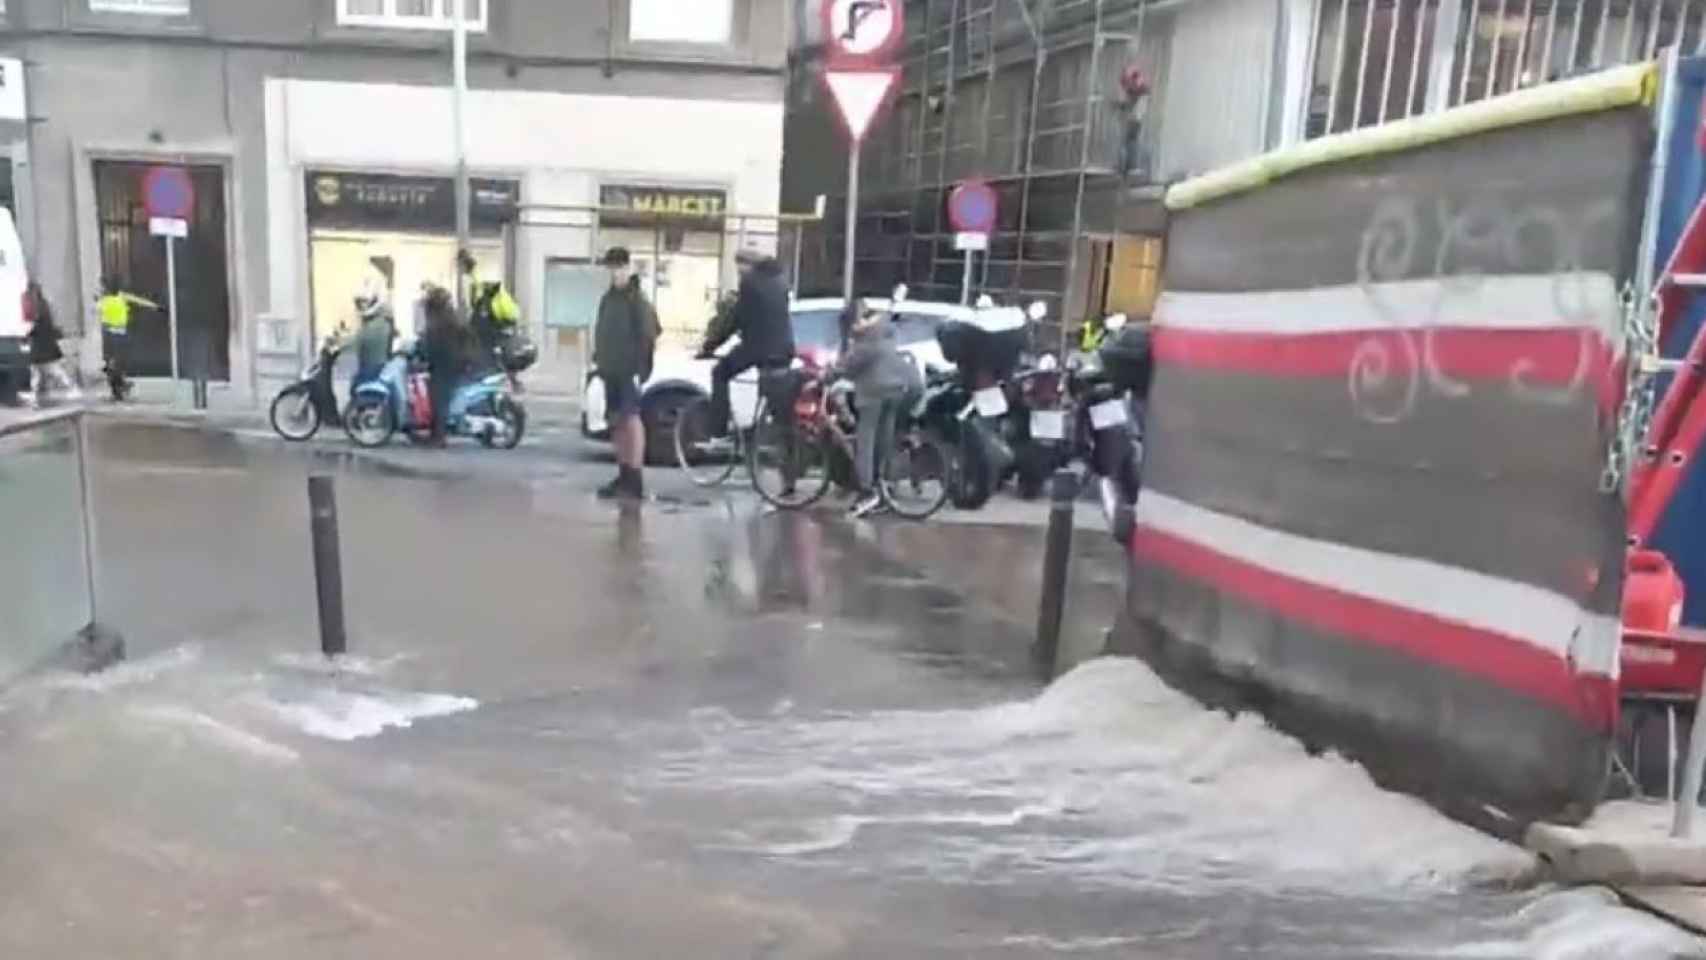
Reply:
x=817, y=328
x=914, y=328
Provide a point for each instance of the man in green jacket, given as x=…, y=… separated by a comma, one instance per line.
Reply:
x=624, y=343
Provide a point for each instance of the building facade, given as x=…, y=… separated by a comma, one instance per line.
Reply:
x=319, y=141
x=1036, y=98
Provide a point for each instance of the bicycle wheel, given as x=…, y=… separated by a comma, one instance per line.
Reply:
x=788, y=470
x=916, y=478
x=706, y=461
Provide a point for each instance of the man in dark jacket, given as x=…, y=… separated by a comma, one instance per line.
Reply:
x=760, y=316
x=623, y=346
x=442, y=345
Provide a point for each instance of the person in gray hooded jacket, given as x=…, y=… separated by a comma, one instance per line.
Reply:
x=884, y=380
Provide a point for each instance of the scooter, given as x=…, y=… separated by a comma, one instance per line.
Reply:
x=301, y=408
x=396, y=400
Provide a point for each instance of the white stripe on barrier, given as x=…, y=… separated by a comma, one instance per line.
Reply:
x=1539, y=617
x=1564, y=301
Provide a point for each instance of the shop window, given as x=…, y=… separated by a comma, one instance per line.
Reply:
x=672, y=21
x=410, y=14
x=162, y=8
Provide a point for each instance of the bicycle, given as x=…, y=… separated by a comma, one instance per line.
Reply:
x=789, y=455
x=709, y=461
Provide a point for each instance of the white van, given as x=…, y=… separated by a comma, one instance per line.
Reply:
x=14, y=354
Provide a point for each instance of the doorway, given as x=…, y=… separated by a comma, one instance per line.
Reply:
x=136, y=261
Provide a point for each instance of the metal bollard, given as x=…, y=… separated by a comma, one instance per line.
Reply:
x=328, y=568
x=1057, y=557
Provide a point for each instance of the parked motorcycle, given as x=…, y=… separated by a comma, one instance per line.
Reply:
x=1036, y=425
x=1107, y=436
x=483, y=408
x=300, y=409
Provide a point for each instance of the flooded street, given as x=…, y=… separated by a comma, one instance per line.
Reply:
x=571, y=730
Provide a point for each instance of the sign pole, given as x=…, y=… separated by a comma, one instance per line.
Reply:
x=965, y=280
x=459, y=92
x=172, y=299
x=852, y=219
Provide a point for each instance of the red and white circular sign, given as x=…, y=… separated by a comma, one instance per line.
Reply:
x=864, y=30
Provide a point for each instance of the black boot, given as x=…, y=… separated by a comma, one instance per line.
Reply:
x=614, y=488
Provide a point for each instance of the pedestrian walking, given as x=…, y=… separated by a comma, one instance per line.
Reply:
x=46, y=355
x=624, y=344
x=113, y=308
x=883, y=378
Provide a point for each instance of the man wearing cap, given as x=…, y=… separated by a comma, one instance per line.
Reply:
x=623, y=346
x=760, y=316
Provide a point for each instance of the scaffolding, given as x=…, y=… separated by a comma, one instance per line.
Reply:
x=1022, y=94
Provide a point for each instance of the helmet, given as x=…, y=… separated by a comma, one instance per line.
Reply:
x=367, y=305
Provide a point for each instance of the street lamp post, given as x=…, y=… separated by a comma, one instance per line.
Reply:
x=459, y=93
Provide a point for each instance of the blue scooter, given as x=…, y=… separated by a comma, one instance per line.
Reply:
x=484, y=408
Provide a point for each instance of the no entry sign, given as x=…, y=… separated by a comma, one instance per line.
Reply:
x=167, y=192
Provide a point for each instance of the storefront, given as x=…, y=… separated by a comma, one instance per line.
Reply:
x=393, y=234
x=680, y=247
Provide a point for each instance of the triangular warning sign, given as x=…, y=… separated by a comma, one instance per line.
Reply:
x=860, y=94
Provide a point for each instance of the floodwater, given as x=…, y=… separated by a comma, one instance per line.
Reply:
x=569, y=730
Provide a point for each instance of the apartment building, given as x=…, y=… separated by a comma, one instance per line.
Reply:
x=1036, y=97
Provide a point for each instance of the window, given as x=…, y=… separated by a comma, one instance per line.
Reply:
x=675, y=21
x=162, y=8
x=407, y=14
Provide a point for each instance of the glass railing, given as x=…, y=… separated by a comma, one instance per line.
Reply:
x=47, y=573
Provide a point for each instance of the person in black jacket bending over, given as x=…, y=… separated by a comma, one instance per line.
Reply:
x=760, y=317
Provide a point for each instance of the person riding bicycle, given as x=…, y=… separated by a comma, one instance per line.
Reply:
x=884, y=378
x=760, y=316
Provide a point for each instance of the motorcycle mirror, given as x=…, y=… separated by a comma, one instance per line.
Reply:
x=1115, y=321
x=1047, y=363
x=1037, y=310
x=986, y=302
x=900, y=292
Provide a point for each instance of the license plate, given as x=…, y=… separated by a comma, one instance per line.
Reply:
x=1048, y=425
x=990, y=401
x=1108, y=413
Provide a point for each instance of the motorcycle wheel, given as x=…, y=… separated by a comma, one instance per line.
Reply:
x=514, y=419
x=294, y=414
x=370, y=422
x=973, y=480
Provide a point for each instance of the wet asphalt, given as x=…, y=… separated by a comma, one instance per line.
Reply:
x=693, y=728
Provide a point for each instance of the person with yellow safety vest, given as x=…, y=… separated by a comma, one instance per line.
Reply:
x=493, y=313
x=113, y=309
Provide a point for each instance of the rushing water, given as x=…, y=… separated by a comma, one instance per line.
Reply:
x=692, y=733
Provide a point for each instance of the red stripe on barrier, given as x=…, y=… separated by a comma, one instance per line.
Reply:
x=1539, y=358
x=1503, y=660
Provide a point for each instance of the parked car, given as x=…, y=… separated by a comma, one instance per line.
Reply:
x=679, y=377
x=14, y=319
